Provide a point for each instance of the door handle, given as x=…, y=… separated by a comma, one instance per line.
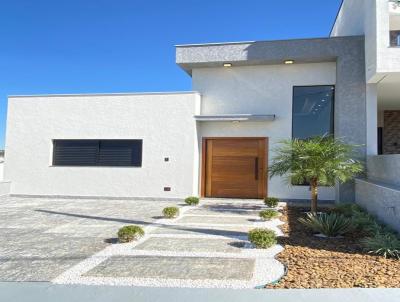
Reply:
x=256, y=168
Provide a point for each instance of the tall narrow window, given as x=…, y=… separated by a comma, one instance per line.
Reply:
x=395, y=38
x=111, y=153
x=313, y=108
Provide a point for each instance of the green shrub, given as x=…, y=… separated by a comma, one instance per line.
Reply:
x=192, y=201
x=330, y=225
x=347, y=209
x=170, y=212
x=129, y=233
x=268, y=214
x=272, y=202
x=262, y=238
x=386, y=245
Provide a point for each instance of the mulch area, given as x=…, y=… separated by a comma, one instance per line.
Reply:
x=314, y=262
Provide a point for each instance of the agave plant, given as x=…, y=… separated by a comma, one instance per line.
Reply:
x=330, y=225
x=386, y=245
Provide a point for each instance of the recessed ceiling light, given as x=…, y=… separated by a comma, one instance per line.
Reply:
x=227, y=64
x=288, y=62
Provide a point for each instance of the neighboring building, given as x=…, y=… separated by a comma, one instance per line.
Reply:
x=216, y=142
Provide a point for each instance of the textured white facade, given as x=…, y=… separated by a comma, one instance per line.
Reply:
x=164, y=122
x=264, y=89
x=167, y=126
x=374, y=19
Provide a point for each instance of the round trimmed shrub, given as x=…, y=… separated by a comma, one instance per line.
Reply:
x=262, y=238
x=272, y=202
x=192, y=201
x=171, y=212
x=129, y=233
x=268, y=214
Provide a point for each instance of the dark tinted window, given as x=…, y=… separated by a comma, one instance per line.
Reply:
x=97, y=153
x=312, y=111
x=395, y=38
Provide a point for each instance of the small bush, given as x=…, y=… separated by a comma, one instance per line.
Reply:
x=192, y=201
x=330, y=225
x=272, y=202
x=171, y=212
x=262, y=238
x=386, y=245
x=129, y=233
x=347, y=209
x=268, y=214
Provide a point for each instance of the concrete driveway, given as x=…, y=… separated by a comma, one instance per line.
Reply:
x=73, y=241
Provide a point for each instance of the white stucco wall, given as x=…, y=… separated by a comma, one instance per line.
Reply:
x=260, y=90
x=388, y=58
x=164, y=122
x=350, y=19
x=372, y=19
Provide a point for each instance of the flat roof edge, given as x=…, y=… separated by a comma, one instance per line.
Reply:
x=263, y=41
x=104, y=94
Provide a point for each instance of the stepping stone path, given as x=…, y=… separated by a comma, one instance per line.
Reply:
x=206, y=247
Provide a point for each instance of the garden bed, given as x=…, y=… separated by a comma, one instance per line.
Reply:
x=314, y=262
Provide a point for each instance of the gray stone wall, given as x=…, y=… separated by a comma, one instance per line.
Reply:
x=380, y=193
x=384, y=168
x=381, y=200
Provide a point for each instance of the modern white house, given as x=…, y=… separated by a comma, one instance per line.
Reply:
x=217, y=140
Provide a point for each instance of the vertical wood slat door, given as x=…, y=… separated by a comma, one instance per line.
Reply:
x=235, y=167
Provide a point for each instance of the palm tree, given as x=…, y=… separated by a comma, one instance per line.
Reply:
x=317, y=161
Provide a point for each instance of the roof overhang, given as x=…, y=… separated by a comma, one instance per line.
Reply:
x=192, y=56
x=235, y=118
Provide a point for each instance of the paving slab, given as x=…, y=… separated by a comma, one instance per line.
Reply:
x=72, y=230
x=51, y=245
x=226, y=231
x=191, y=245
x=35, y=269
x=210, y=220
x=193, y=268
x=216, y=211
x=234, y=205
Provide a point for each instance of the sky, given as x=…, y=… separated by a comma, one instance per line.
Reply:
x=105, y=46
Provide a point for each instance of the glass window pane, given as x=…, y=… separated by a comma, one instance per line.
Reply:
x=312, y=111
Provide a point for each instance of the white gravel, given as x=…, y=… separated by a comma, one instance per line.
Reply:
x=267, y=268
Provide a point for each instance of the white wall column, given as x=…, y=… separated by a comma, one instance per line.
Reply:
x=372, y=119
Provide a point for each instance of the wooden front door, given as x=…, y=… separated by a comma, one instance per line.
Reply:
x=235, y=167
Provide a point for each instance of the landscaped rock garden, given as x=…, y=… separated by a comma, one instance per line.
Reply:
x=341, y=262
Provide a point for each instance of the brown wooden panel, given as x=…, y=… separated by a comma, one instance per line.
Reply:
x=225, y=147
x=234, y=167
